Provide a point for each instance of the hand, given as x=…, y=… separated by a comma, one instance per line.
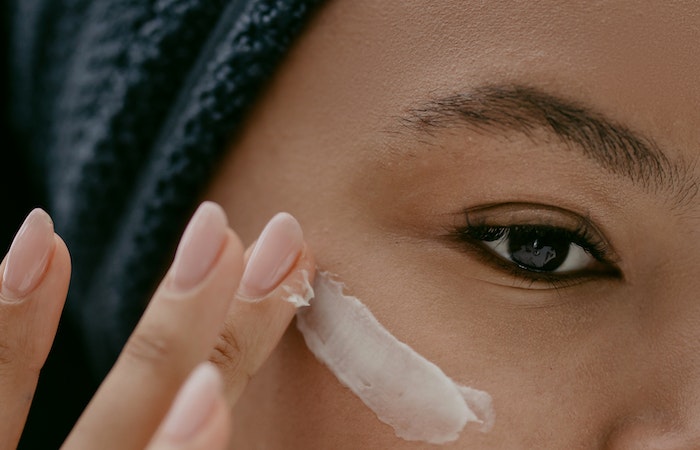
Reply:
x=199, y=312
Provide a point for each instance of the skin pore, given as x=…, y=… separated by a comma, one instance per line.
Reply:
x=404, y=137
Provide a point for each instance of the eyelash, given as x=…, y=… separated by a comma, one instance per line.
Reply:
x=472, y=237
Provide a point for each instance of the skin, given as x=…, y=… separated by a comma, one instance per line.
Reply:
x=160, y=394
x=602, y=362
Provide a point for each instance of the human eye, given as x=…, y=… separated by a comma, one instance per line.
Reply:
x=537, y=242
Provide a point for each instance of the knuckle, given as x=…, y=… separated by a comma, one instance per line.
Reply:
x=149, y=348
x=7, y=355
x=14, y=362
x=227, y=354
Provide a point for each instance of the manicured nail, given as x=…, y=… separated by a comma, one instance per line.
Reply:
x=28, y=256
x=274, y=254
x=199, y=246
x=193, y=405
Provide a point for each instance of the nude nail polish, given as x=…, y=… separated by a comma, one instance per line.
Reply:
x=199, y=247
x=29, y=256
x=275, y=252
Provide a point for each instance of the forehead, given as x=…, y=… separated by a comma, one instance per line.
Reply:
x=638, y=62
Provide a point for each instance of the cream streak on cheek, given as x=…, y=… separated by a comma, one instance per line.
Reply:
x=404, y=389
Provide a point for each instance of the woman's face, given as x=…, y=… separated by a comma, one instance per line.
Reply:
x=511, y=189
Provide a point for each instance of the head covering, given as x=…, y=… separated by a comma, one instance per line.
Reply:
x=123, y=109
x=126, y=107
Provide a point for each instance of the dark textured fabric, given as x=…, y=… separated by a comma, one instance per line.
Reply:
x=18, y=195
x=122, y=109
x=126, y=106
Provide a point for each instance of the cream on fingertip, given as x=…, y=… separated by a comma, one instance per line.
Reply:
x=301, y=294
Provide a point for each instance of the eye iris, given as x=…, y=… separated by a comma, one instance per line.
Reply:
x=538, y=249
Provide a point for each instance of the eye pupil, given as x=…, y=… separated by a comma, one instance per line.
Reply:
x=538, y=249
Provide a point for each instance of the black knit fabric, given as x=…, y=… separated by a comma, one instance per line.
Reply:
x=123, y=109
x=126, y=106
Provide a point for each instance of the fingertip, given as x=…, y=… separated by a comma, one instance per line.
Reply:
x=200, y=247
x=308, y=261
x=297, y=288
x=248, y=251
x=61, y=258
x=199, y=417
x=237, y=245
x=27, y=260
x=272, y=258
x=297, y=281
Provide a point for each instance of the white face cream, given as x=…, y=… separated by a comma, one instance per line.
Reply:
x=300, y=296
x=404, y=389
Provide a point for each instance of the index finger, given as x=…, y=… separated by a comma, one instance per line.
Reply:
x=177, y=331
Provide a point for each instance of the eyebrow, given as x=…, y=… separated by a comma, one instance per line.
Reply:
x=530, y=111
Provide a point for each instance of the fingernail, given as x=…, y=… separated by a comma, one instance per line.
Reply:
x=274, y=254
x=199, y=246
x=28, y=256
x=193, y=405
